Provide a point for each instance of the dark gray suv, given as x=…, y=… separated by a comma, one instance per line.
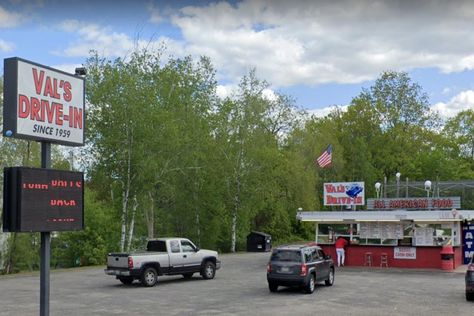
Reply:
x=299, y=265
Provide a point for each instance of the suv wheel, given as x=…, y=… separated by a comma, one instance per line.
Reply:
x=330, y=280
x=469, y=296
x=273, y=287
x=310, y=286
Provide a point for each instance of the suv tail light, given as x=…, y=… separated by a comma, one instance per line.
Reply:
x=304, y=270
x=269, y=268
x=130, y=262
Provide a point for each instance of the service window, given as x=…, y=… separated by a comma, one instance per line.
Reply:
x=174, y=246
x=186, y=246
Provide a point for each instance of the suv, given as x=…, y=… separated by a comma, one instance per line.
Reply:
x=470, y=280
x=299, y=265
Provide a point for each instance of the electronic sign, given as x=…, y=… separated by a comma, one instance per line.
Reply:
x=42, y=200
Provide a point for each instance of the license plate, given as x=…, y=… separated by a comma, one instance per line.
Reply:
x=285, y=269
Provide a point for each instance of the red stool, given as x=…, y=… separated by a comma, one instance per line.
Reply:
x=368, y=259
x=384, y=259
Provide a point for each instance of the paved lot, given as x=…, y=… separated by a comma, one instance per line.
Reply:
x=240, y=288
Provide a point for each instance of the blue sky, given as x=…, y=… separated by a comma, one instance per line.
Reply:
x=320, y=52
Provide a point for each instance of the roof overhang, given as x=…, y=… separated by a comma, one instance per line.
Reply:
x=385, y=216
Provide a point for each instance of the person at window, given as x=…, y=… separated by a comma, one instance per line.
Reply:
x=340, y=245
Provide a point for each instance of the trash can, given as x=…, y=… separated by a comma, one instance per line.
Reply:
x=259, y=242
x=447, y=258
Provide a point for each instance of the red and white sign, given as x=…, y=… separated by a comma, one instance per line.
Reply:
x=404, y=252
x=415, y=203
x=344, y=193
x=42, y=103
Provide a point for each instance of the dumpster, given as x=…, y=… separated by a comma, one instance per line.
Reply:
x=258, y=241
x=447, y=258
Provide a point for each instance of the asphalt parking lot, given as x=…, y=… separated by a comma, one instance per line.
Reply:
x=240, y=288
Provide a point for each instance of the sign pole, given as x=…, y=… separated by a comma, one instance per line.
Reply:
x=45, y=244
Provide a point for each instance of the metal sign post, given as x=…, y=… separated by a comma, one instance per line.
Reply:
x=45, y=244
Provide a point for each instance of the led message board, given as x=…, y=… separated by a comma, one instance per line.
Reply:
x=42, y=200
x=42, y=103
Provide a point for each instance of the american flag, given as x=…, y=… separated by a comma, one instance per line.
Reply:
x=326, y=157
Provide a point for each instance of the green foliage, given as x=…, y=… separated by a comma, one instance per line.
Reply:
x=91, y=245
x=167, y=157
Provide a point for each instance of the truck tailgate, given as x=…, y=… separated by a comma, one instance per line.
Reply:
x=117, y=260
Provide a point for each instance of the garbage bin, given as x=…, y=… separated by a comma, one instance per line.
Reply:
x=258, y=241
x=447, y=258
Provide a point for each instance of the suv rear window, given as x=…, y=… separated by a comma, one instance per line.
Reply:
x=286, y=255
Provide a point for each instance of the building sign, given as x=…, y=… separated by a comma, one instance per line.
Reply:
x=404, y=252
x=468, y=244
x=41, y=103
x=415, y=203
x=344, y=193
x=42, y=200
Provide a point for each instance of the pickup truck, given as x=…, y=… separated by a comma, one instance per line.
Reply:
x=163, y=256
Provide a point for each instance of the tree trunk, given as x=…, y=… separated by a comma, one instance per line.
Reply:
x=132, y=223
x=150, y=217
x=234, y=215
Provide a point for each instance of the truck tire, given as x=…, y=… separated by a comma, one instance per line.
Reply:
x=126, y=280
x=149, y=277
x=208, y=270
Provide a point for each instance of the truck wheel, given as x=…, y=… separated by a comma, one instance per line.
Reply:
x=330, y=280
x=149, y=277
x=188, y=275
x=310, y=286
x=208, y=270
x=126, y=280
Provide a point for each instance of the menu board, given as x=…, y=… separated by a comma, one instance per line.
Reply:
x=381, y=230
x=424, y=236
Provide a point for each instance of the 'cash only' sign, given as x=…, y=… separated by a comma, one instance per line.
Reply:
x=42, y=103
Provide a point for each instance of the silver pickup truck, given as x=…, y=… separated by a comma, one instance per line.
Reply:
x=163, y=256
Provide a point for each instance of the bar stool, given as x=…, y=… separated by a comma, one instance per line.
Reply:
x=384, y=259
x=368, y=259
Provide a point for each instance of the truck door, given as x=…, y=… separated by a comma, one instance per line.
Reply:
x=191, y=260
x=183, y=257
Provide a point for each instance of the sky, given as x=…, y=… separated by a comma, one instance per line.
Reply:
x=322, y=53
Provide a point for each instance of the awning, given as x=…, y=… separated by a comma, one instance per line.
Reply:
x=385, y=216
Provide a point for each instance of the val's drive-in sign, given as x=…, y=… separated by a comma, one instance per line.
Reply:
x=42, y=200
x=43, y=104
x=344, y=193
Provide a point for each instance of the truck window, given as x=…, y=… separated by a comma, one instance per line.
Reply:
x=174, y=246
x=156, y=245
x=186, y=246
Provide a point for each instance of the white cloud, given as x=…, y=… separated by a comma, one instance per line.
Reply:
x=155, y=14
x=6, y=46
x=462, y=101
x=109, y=43
x=9, y=19
x=327, y=110
x=69, y=68
x=314, y=42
